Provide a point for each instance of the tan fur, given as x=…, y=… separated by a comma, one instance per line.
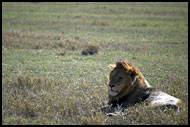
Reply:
x=126, y=84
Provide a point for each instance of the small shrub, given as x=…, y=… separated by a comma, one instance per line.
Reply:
x=90, y=50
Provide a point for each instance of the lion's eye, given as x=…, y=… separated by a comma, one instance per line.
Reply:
x=120, y=78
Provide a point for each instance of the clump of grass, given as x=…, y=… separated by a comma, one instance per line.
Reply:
x=21, y=40
x=61, y=52
x=90, y=50
x=68, y=44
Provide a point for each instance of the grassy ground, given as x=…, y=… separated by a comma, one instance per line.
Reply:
x=46, y=79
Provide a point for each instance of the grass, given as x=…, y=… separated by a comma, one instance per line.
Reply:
x=46, y=79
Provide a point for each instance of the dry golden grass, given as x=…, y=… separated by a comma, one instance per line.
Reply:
x=22, y=40
x=44, y=100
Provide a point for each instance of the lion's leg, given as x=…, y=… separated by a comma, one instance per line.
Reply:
x=112, y=111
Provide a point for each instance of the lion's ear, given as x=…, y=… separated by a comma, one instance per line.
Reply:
x=133, y=77
x=111, y=66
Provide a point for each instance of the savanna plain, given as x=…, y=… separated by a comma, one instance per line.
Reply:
x=46, y=79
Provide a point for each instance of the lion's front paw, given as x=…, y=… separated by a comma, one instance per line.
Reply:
x=108, y=109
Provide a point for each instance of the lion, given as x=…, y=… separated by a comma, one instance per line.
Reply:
x=127, y=86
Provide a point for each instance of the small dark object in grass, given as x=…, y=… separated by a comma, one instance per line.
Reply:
x=90, y=50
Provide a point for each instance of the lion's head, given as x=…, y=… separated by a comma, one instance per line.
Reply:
x=124, y=79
